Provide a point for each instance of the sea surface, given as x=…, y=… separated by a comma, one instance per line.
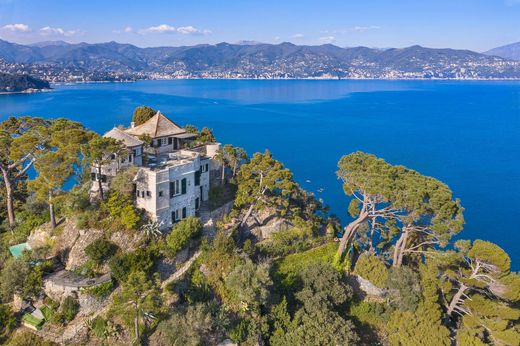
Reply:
x=465, y=133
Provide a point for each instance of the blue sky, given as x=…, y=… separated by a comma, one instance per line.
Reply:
x=470, y=24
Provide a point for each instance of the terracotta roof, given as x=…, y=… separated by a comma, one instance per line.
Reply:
x=128, y=140
x=156, y=126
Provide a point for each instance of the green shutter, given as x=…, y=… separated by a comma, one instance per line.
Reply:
x=183, y=186
x=197, y=178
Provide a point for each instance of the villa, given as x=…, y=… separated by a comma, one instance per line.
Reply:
x=173, y=176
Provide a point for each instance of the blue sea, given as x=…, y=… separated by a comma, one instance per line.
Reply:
x=465, y=133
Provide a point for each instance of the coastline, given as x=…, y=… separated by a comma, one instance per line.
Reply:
x=27, y=91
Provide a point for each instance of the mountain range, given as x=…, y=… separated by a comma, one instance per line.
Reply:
x=510, y=51
x=61, y=61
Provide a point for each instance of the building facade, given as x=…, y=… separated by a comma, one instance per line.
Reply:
x=173, y=175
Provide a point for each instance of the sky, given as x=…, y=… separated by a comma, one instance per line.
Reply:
x=464, y=24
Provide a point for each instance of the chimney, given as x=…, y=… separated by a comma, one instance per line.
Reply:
x=132, y=125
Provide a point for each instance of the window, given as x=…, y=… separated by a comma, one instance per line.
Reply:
x=197, y=203
x=142, y=193
x=204, y=168
x=93, y=176
x=160, y=193
x=103, y=178
x=175, y=216
x=175, y=188
x=130, y=158
x=170, y=140
x=207, y=167
x=148, y=194
x=137, y=193
x=184, y=212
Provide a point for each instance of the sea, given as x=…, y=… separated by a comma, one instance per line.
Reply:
x=464, y=133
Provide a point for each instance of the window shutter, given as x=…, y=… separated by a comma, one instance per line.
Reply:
x=183, y=186
x=170, y=140
x=172, y=189
x=197, y=178
x=184, y=212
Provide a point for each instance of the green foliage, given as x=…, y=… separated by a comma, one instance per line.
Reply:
x=24, y=338
x=142, y=114
x=100, y=250
x=102, y=328
x=248, y=285
x=199, y=324
x=68, y=310
x=7, y=320
x=371, y=268
x=318, y=321
x=101, y=291
x=123, y=182
x=181, y=233
x=20, y=276
x=264, y=182
x=122, y=211
x=206, y=136
x=121, y=265
x=404, y=288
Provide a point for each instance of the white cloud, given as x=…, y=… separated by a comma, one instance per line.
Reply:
x=168, y=29
x=128, y=29
x=298, y=35
x=365, y=28
x=16, y=28
x=327, y=39
x=50, y=31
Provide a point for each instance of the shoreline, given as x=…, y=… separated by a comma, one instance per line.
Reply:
x=27, y=91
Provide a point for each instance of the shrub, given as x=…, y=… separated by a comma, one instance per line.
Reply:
x=182, y=232
x=68, y=310
x=101, y=291
x=142, y=114
x=121, y=209
x=123, y=264
x=371, y=268
x=100, y=250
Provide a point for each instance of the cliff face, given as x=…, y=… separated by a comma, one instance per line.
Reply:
x=21, y=82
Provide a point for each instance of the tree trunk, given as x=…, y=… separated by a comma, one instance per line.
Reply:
x=9, y=198
x=350, y=232
x=456, y=299
x=100, y=184
x=248, y=214
x=136, y=323
x=235, y=169
x=223, y=173
x=400, y=247
x=51, y=213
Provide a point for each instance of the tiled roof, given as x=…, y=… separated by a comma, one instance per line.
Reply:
x=128, y=140
x=157, y=126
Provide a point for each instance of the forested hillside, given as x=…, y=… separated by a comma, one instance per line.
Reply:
x=278, y=269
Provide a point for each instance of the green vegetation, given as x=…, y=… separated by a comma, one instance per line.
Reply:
x=272, y=273
x=142, y=114
x=181, y=233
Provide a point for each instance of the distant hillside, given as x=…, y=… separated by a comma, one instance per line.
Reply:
x=62, y=60
x=510, y=51
x=17, y=83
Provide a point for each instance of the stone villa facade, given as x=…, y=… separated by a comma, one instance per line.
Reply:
x=173, y=176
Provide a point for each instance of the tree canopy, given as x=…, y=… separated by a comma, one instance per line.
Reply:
x=142, y=114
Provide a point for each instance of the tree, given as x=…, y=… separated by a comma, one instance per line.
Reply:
x=397, y=200
x=199, y=324
x=263, y=182
x=234, y=156
x=142, y=294
x=102, y=151
x=221, y=159
x=142, y=114
x=7, y=320
x=206, y=136
x=478, y=269
x=100, y=250
x=318, y=321
x=248, y=285
x=19, y=276
x=22, y=141
x=123, y=181
x=430, y=215
x=53, y=171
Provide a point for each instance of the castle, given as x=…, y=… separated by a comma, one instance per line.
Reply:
x=173, y=175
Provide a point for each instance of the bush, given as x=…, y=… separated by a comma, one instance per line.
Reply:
x=142, y=114
x=121, y=209
x=100, y=250
x=182, y=232
x=123, y=264
x=371, y=268
x=68, y=310
x=101, y=291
